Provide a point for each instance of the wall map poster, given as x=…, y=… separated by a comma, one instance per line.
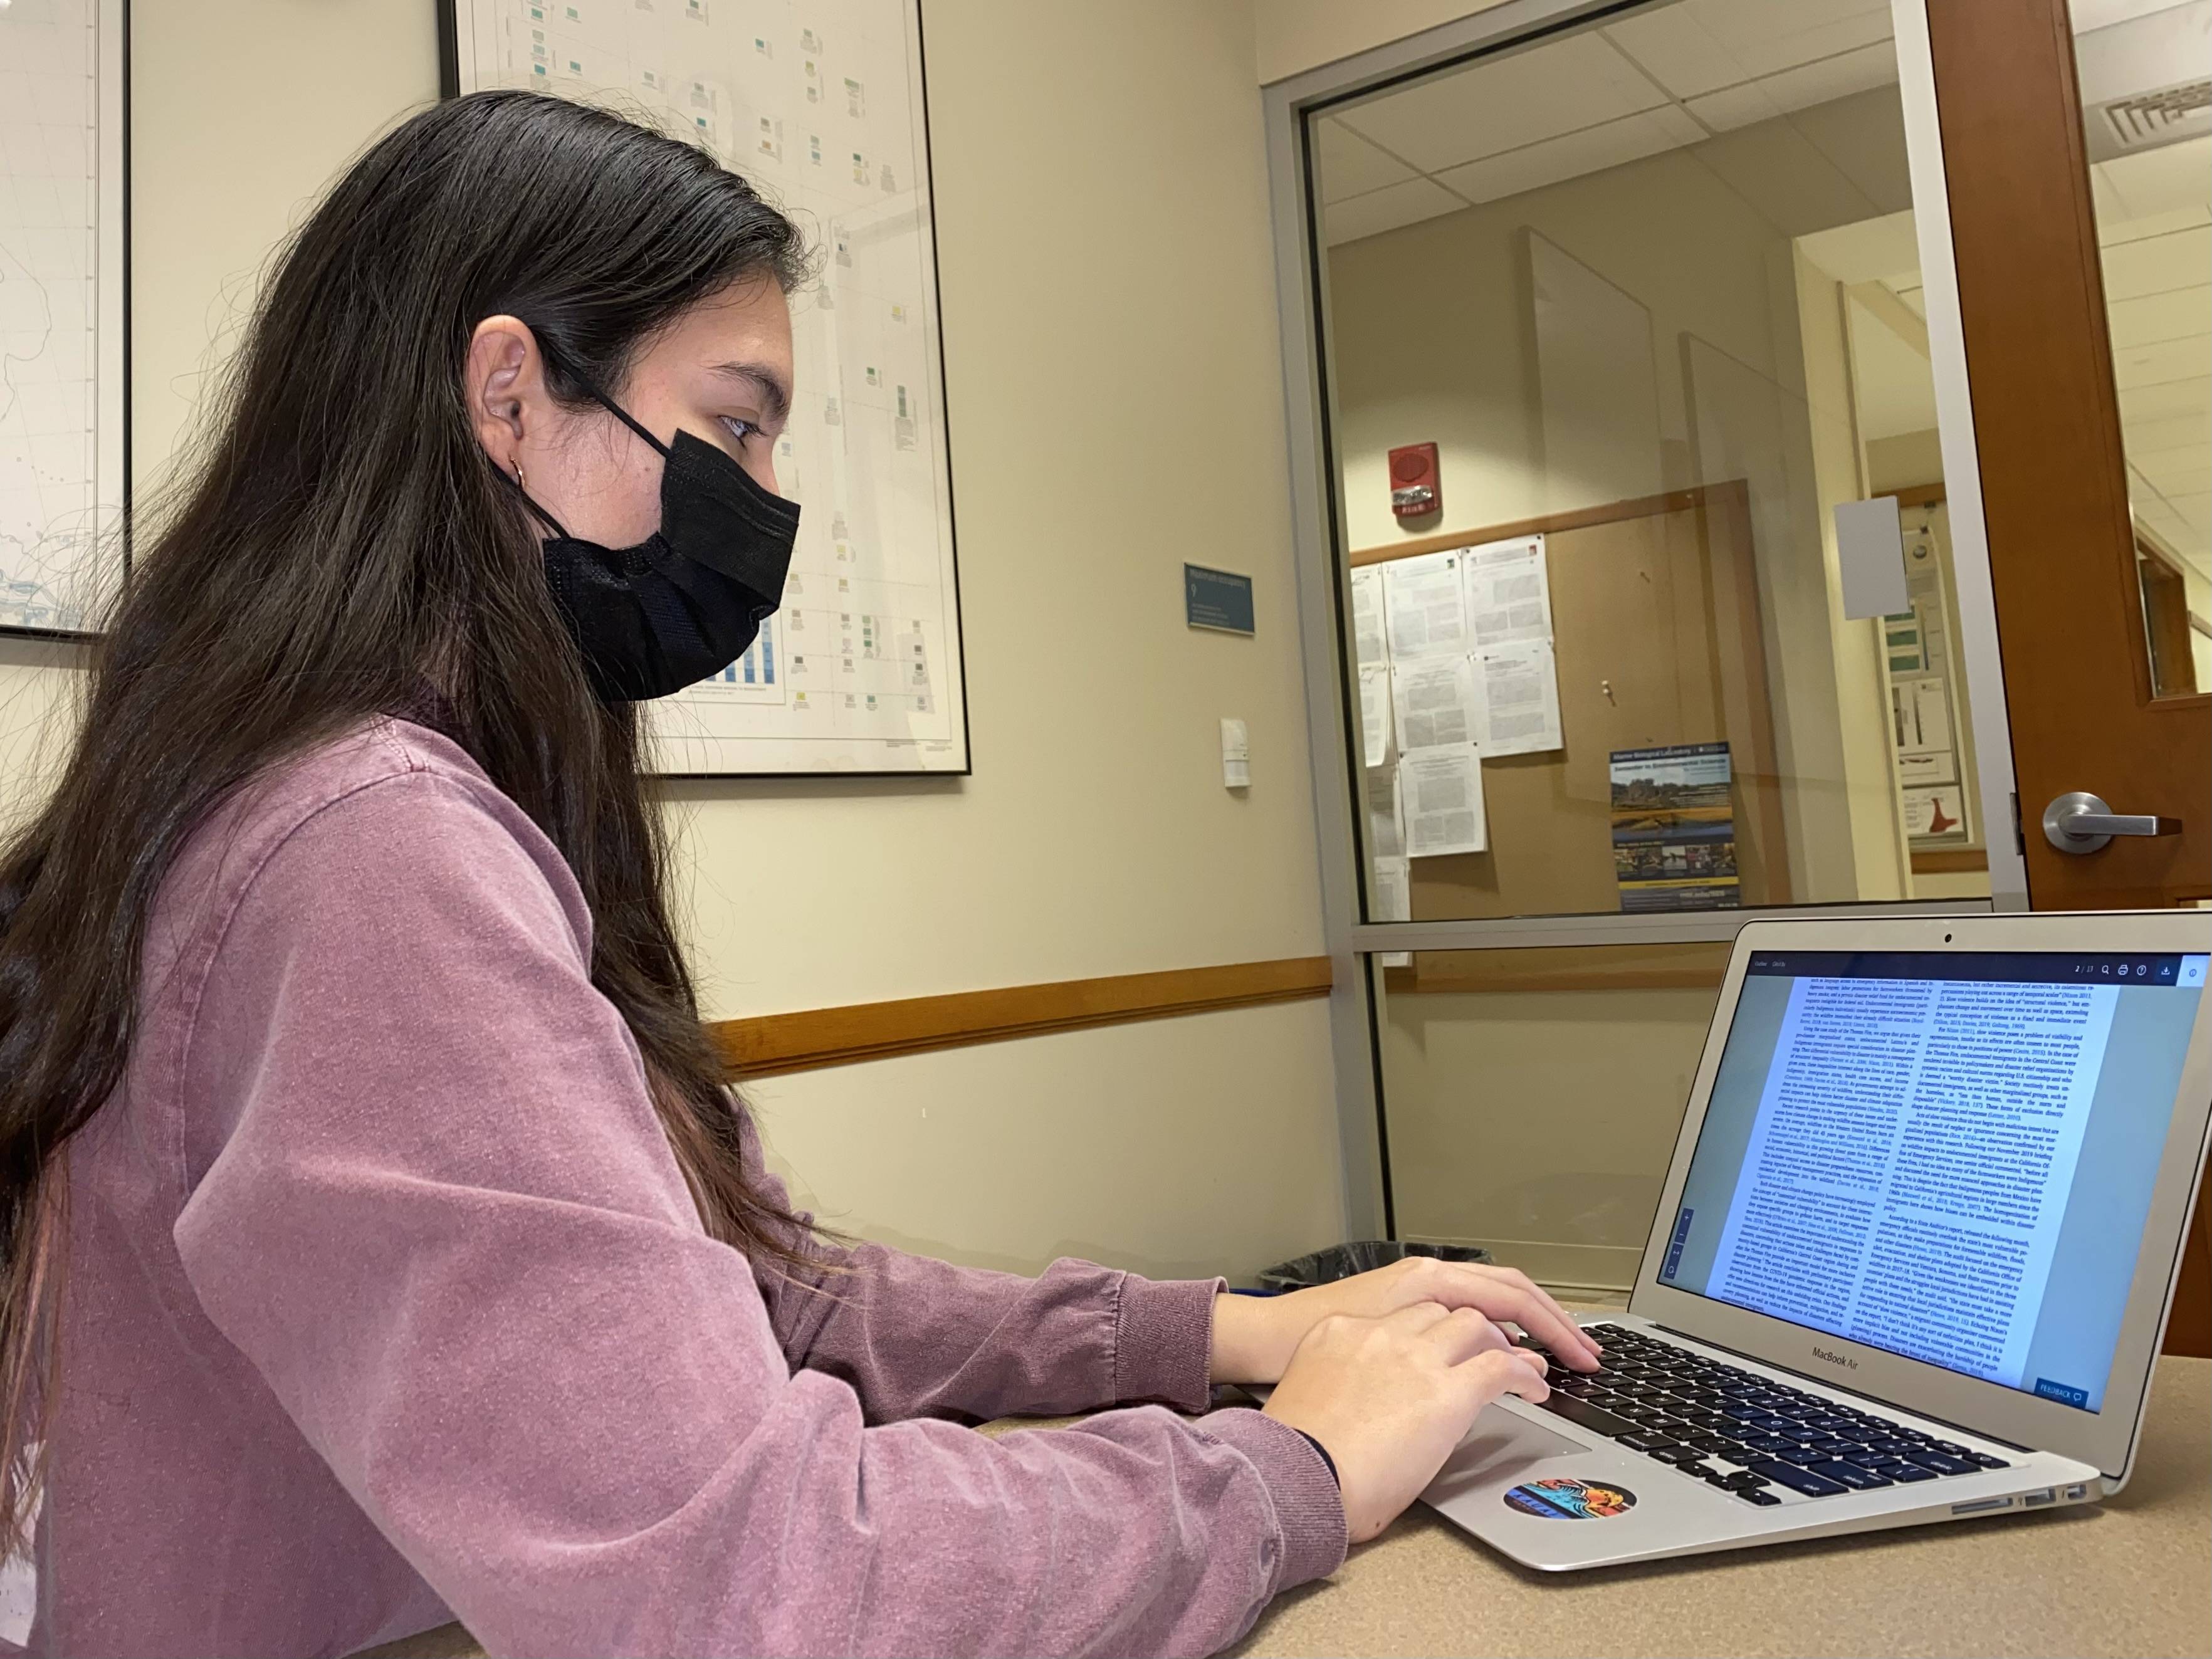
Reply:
x=820, y=104
x=64, y=409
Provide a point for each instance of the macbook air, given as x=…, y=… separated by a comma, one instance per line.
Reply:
x=1913, y=1255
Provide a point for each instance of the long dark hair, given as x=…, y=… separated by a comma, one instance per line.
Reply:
x=343, y=539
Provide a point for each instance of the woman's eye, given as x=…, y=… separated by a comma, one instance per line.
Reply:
x=740, y=428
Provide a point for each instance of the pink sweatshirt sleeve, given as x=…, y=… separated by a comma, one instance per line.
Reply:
x=918, y=1337
x=430, y=1201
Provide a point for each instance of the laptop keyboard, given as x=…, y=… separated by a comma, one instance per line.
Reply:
x=1741, y=1432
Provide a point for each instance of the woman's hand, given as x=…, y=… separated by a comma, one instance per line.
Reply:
x=1254, y=1336
x=1390, y=1397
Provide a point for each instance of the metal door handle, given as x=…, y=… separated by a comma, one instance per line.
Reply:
x=2080, y=822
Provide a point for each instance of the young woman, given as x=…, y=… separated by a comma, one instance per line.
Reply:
x=383, y=1245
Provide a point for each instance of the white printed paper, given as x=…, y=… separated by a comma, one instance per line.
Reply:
x=1369, y=640
x=1936, y=765
x=1386, y=830
x=1434, y=699
x=1509, y=592
x=1910, y=1164
x=1941, y=811
x=1375, y=721
x=1517, y=692
x=1392, y=898
x=1425, y=605
x=1922, y=711
x=1392, y=893
x=1441, y=790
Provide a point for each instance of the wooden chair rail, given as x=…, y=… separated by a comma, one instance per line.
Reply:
x=770, y=1044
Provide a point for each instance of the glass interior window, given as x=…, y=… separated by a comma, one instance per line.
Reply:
x=2144, y=68
x=1651, y=290
x=1531, y=1097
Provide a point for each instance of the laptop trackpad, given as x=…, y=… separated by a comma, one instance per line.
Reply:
x=1503, y=1447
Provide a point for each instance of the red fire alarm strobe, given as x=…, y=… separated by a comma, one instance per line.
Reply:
x=1415, y=488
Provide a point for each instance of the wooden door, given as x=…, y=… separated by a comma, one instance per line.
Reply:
x=2079, y=686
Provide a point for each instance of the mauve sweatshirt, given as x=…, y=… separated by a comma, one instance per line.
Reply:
x=386, y=1305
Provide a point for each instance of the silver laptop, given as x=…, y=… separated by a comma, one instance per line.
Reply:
x=1914, y=1253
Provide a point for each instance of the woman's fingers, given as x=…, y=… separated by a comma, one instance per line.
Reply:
x=1502, y=1371
x=1463, y=1332
x=1505, y=1294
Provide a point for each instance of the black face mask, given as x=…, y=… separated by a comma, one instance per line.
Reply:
x=684, y=602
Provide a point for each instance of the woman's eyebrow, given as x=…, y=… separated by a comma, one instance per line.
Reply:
x=767, y=385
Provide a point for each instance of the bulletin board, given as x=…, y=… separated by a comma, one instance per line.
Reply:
x=821, y=104
x=1657, y=625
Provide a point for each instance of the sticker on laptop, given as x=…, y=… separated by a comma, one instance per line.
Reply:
x=1571, y=1500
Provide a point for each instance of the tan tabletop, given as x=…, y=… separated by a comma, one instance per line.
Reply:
x=2131, y=1576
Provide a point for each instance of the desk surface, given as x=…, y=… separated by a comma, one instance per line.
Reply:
x=2131, y=1576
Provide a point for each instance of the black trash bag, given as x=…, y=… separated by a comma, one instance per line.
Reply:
x=1343, y=1260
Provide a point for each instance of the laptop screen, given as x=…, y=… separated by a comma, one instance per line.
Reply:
x=1947, y=1156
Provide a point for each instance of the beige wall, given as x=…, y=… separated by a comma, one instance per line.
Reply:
x=1295, y=35
x=1116, y=394
x=1871, y=806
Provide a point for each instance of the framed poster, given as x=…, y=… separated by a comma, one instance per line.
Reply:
x=820, y=103
x=64, y=381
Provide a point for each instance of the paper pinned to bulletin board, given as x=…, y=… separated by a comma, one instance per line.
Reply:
x=1509, y=613
x=1517, y=688
x=1674, y=827
x=1441, y=794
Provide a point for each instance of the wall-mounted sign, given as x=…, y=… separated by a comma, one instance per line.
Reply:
x=1219, y=600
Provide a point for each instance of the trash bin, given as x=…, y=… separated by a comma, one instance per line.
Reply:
x=1343, y=1260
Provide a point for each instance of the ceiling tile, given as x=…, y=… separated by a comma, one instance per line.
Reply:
x=2145, y=438
x=2163, y=400
x=2163, y=180
x=2159, y=265
x=1864, y=137
x=1572, y=154
x=2157, y=365
x=1702, y=45
x=2088, y=14
x=2171, y=316
x=1388, y=209
x=1503, y=103
x=2196, y=512
x=1797, y=89
x=2114, y=229
x=1350, y=165
x=1777, y=170
x=2172, y=489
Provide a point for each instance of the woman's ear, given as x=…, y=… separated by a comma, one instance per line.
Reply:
x=504, y=383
